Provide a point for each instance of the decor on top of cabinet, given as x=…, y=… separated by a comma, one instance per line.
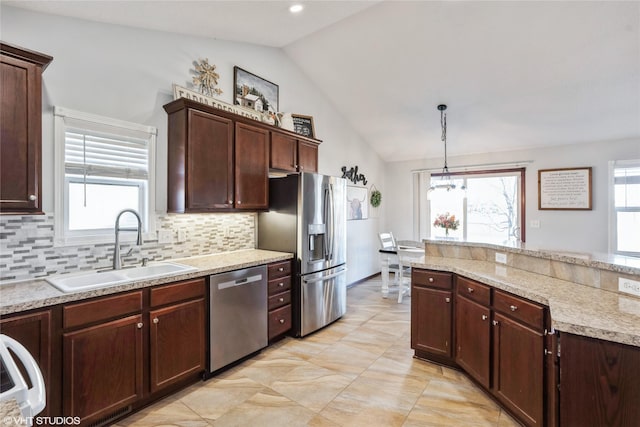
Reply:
x=254, y=92
x=357, y=206
x=303, y=125
x=353, y=175
x=206, y=79
x=183, y=92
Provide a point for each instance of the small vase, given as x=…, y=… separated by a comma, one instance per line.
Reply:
x=446, y=232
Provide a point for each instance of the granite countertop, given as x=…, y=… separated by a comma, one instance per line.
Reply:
x=574, y=308
x=27, y=295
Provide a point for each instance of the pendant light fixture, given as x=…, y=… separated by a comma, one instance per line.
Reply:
x=446, y=182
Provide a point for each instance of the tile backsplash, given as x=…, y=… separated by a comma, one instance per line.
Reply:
x=27, y=248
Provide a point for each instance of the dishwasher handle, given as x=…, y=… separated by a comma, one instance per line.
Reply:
x=240, y=282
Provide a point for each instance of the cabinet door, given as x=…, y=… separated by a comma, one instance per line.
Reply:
x=431, y=315
x=102, y=368
x=252, y=167
x=33, y=331
x=599, y=382
x=20, y=140
x=209, y=162
x=307, y=157
x=177, y=339
x=473, y=339
x=518, y=368
x=284, y=152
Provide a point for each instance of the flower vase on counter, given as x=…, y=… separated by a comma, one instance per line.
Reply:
x=448, y=222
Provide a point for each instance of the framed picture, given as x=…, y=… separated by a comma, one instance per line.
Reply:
x=564, y=189
x=256, y=93
x=303, y=125
x=357, y=202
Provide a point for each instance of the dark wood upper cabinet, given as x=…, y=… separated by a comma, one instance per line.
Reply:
x=21, y=129
x=219, y=161
x=251, y=167
x=291, y=154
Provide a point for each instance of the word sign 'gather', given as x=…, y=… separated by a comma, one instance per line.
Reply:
x=353, y=175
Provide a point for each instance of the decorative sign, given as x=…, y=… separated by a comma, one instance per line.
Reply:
x=564, y=189
x=303, y=125
x=206, y=78
x=353, y=175
x=181, y=92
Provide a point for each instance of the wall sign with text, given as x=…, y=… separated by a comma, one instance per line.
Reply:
x=564, y=189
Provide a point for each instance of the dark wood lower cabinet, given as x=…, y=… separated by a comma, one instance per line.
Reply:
x=518, y=368
x=431, y=324
x=176, y=343
x=473, y=339
x=103, y=368
x=599, y=383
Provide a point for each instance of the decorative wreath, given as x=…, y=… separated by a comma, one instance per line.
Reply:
x=376, y=197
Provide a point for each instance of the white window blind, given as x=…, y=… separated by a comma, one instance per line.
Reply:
x=94, y=154
x=626, y=207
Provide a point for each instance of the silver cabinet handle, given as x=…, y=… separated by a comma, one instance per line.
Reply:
x=281, y=284
x=447, y=300
x=484, y=317
x=281, y=269
x=282, y=321
x=155, y=320
x=238, y=202
x=32, y=197
x=513, y=307
x=495, y=323
x=140, y=325
x=548, y=353
x=281, y=299
x=470, y=290
x=430, y=279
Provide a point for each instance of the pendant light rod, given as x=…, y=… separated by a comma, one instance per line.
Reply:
x=443, y=124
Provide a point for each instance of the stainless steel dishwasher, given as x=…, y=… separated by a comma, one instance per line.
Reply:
x=238, y=315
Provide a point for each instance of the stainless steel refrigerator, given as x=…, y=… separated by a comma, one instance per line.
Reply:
x=307, y=216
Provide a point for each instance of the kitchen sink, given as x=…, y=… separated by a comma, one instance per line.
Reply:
x=102, y=279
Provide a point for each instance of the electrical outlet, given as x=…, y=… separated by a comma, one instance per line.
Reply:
x=629, y=286
x=534, y=223
x=225, y=232
x=501, y=258
x=165, y=236
x=182, y=235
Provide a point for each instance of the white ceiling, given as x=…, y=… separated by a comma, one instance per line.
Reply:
x=514, y=74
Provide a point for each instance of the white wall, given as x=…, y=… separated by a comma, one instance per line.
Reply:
x=127, y=74
x=582, y=231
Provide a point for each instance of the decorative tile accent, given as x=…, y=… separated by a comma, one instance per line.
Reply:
x=27, y=248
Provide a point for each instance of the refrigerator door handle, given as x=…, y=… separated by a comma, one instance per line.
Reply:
x=325, y=219
x=327, y=277
x=331, y=221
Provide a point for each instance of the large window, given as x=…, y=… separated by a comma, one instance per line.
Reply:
x=626, y=207
x=103, y=166
x=487, y=205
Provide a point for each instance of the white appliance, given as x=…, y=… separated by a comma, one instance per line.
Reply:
x=31, y=401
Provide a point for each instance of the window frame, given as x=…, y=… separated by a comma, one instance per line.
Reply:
x=613, y=209
x=66, y=119
x=522, y=207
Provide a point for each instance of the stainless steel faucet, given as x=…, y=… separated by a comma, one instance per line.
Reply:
x=117, y=262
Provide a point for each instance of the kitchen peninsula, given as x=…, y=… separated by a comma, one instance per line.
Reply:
x=538, y=322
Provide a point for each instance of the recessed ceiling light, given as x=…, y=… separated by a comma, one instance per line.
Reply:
x=296, y=8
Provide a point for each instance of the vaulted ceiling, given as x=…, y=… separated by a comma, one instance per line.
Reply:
x=514, y=74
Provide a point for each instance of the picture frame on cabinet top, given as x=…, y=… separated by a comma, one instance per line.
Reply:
x=254, y=92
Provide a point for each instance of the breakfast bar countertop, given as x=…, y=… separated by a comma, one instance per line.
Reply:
x=574, y=308
x=31, y=294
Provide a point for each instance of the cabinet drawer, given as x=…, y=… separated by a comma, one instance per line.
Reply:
x=279, y=285
x=279, y=300
x=473, y=290
x=176, y=292
x=432, y=279
x=279, y=269
x=279, y=321
x=101, y=309
x=519, y=309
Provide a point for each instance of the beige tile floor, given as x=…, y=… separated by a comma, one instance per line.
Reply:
x=359, y=371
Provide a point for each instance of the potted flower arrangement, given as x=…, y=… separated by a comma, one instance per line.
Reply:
x=446, y=221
